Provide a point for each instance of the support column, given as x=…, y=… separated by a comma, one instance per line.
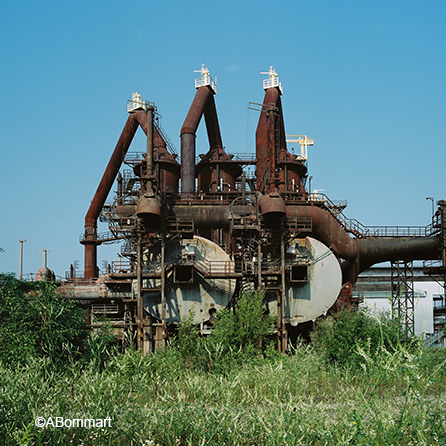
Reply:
x=280, y=310
x=139, y=303
x=163, y=293
x=403, y=300
x=259, y=265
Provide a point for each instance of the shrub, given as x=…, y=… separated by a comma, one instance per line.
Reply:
x=36, y=322
x=339, y=338
x=247, y=328
x=238, y=336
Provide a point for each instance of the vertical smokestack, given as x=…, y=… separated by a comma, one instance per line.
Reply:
x=187, y=165
x=266, y=135
x=203, y=103
x=149, y=185
x=44, y=257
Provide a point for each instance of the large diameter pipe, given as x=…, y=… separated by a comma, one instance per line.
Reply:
x=112, y=169
x=149, y=160
x=203, y=103
x=371, y=251
x=271, y=181
x=91, y=258
x=366, y=251
x=187, y=165
x=204, y=216
x=272, y=96
x=90, y=241
x=196, y=110
x=212, y=125
x=327, y=230
x=361, y=254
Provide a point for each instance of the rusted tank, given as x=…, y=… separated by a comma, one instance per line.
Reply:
x=168, y=171
x=217, y=171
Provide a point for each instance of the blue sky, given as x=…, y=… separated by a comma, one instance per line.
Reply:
x=365, y=79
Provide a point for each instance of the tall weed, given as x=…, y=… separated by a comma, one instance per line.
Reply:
x=244, y=334
x=341, y=338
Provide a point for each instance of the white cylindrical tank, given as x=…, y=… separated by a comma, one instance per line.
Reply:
x=313, y=280
x=195, y=282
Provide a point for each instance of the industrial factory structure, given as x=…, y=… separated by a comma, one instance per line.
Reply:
x=198, y=232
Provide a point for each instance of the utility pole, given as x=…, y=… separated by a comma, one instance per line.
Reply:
x=433, y=205
x=21, y=257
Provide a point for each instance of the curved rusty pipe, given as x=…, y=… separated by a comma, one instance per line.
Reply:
x=90, y=241
x=112, y=168
x=327, y=230
x=141, y=117
x=358, y=254
x=203, y=103
x=361, y=253
x=212, y=125
x=371, y=251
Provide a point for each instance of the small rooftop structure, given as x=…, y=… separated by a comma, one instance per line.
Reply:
x=272, y=81
x=138, y=103
x=205, y=79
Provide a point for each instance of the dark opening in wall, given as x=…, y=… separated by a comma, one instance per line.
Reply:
x=183, y=274
x=299, y=273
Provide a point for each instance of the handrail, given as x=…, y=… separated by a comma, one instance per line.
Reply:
x=103, y=237
x=433, y=338
x=433, y=264
x=355, y=227
x=167, y=140
x=397, y=231
x=272, y=82
x=235, y=158
x=350, y=225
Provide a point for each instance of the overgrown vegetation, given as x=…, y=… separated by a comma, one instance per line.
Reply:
x=360, y=382
x=36, y=323
x=345, y=339
x=245, y=334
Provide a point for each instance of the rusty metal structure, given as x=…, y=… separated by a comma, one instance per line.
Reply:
x=198, y=231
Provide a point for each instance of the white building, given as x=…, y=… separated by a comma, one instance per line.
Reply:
x=375, y=287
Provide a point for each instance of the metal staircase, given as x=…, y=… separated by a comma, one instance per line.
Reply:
x=352, y=226
x=433, y=338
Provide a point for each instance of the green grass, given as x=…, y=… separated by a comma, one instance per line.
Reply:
x=290, y=400
x=362, y=381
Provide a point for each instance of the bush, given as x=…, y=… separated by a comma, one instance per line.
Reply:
x=247, y=328
x=238, y=336
x=36, y=322
x=339, y=338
